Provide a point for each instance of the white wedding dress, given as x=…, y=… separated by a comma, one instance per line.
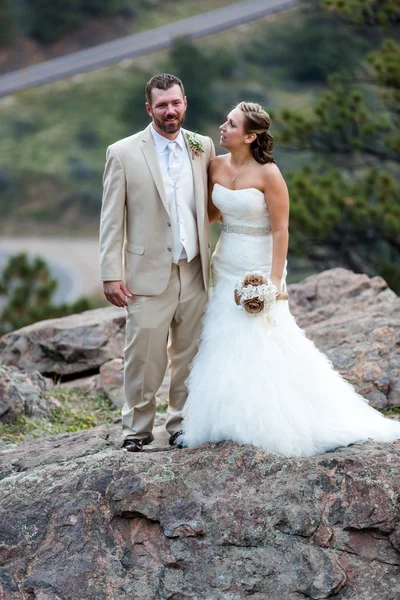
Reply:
x=269, y=387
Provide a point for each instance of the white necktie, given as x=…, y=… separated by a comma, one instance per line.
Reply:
x=174, y=166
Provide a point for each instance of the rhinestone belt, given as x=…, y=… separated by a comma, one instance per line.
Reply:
x=246, y=230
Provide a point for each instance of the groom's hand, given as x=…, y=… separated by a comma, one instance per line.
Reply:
x=116, y=292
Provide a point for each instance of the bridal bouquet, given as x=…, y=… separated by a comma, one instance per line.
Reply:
x=256, y=294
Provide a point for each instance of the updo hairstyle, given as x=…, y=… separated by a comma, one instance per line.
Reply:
x=258, y=121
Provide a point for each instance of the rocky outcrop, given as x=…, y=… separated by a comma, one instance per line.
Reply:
x=335, y=291
x=355, y=320
x=24, y=393
x=90, y=384
x=67, y=346
x=82, y=519
x=112, y=381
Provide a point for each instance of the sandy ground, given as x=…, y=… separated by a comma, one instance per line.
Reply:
x=73, y=262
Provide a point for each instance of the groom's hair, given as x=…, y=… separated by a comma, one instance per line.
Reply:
x=163, y=81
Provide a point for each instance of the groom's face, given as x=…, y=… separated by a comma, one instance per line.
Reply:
x=167, y=110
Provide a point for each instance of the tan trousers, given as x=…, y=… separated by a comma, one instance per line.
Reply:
x=158, y=326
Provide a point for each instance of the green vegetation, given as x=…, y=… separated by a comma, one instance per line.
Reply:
x=161, y=12
x=29, y=289
x=8, y=23
x=392, y=411
x=311, y=47
x=369, y=12
x=347, y=197
x=49, y=21
x=78, y=411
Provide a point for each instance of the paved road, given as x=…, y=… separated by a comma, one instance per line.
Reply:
x=139, y=44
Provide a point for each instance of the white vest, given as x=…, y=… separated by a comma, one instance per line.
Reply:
x=182, y=208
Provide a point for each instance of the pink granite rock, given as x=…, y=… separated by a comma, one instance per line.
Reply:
x=69, y=345
x=24, y=393
x=355, y=320
x=80, y=518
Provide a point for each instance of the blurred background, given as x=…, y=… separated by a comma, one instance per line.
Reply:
x=328, y=72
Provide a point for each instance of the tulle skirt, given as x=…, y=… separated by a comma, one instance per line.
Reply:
x=268, y=385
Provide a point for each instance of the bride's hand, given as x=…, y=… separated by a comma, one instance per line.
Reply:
x=277, y=284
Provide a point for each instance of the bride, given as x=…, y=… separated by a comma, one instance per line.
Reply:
x=253, y=382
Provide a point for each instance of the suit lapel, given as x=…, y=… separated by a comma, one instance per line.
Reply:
x=150, y=154
x=195, y=161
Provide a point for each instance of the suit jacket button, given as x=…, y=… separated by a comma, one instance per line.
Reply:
x=169, y=224
x=169, y=249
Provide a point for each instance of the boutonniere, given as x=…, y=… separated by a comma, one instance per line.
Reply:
x=195, y=144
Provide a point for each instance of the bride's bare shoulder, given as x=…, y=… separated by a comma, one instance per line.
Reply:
x=272, y=176
x=218, y=163
x=221, y=158
x=271, y=170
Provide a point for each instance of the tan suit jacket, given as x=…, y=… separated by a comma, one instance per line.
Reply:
x=135, y=227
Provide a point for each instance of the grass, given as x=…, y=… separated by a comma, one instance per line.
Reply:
x=162, y=407
x=78, y=411
x=391, y=411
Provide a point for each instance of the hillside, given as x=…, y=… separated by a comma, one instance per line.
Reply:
x=335, y=142
x=27, y=46
x=54, y=138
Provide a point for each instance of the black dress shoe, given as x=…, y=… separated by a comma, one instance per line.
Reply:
x=134, y=445
x=173, y=438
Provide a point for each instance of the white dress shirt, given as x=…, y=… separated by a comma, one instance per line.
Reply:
x=180, y=196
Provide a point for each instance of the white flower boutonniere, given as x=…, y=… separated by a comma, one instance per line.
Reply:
x=195, y=144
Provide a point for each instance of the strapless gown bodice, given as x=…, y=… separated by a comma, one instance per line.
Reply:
x=245, y=208
x=246, y=241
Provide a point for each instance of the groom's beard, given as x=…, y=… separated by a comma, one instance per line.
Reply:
x=169, y=126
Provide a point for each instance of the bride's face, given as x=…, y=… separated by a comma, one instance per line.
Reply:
x=232, y=131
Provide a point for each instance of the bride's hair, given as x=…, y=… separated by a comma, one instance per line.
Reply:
x=258, y=121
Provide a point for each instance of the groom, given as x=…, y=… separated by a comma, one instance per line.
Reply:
x=154, y=254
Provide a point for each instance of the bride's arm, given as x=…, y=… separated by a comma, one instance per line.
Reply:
x=277, y=199
x=213, y=213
